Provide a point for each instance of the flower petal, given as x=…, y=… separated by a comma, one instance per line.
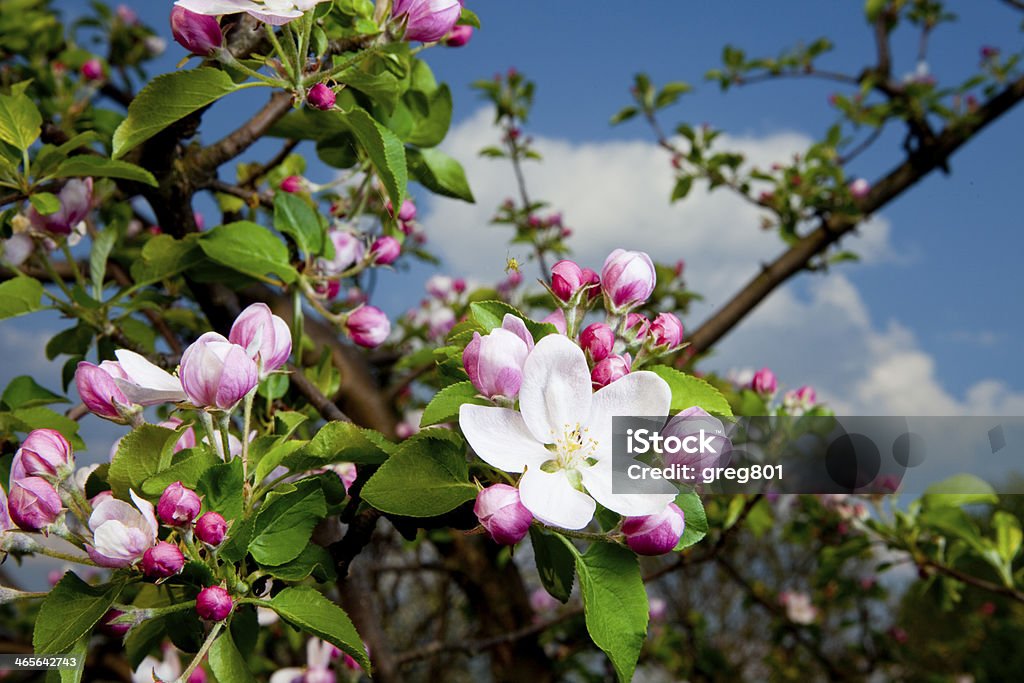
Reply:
x=148, y=384
x=556, y=389
x=553, y=500
x=215, y=7
x=598, y=482
x=500, y=437
x=641, y=394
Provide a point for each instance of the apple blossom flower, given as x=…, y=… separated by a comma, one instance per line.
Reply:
x=152, y=669
x=17, y=249
x=557, y=318
x=385, y=250
x=145, y=383
x=100, y=392
x=566, y=279
x=798, y=606
x=561, y=436
x=612, y=368
x=292, y=184
x=321, y=97
x=427, y=21
x=667, y=331
x=75, y=201
x=501, y=512
x=216, y=373
x=213, y=603
x=441, y=287
x=43, y=453
x=690, y=422
x=178, y=505
x=319, y=655
x=200, y=34
x=542, y=601
x=764, y=382
x=265, y=337
x=798, y=401
x=92, y=70
x=657, y=608
x=597, y=340
x=121, y=533
x=459, y=36
x=628, y=279
x=348, y=250
x=346, y=471
x=211, y=528
x=6, y=523
x=406, y=212
x=162, y=560
x=187, y=438
x=275, y=12
x=860, y=188
x=33, y=504
x=494, y=362
x=655, y=534
x=637, y=326
x=368, y=326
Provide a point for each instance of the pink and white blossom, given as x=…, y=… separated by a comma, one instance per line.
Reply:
x=494, y=362
x=276, y=12
x=121, y=533
x=216, y=373
x=144, y=383
x=265, y=337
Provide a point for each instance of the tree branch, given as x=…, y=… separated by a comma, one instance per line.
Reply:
x=236, y=142
x=930, y=156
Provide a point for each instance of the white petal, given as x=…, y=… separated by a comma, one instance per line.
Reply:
x=289, y=675
x=215, y=7
x=640, y=394
x=556, y=389
x=598, y=482
x=148, y=376
x=151, y=526
x=553, y=500
x=500, y=437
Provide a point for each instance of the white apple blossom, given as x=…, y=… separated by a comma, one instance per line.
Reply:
x=146, y=384
x=276, y=12
x=561, y=436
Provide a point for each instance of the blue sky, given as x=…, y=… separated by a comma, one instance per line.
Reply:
x=955, y=283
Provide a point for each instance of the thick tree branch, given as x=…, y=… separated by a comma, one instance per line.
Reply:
x=930, y=156
x=236, y=142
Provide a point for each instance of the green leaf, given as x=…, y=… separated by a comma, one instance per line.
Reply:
x=310, y=611
x=221, y=488
x=614, y=603
x=101, y=167
x=958, y=490
x=313, y=561
x=142, y=452
x=164, y=257
x=624, y=114
x=428, y=476
x=339, y=442
x=248, y=248
x=430, y=130
x=1008, y=536
x=101, y=248
x=696, y=521
x=285, y=523
x=490, y=314
x=24, y=392
x=446, y=403
x=41, y=417
x=189, y=467
x=45, y=203
x=70, y=611
x=873, y=8
x=227, y=663
x=80, y=649
x=169, y=98
x=385, y=149
x=556, y=564
x=20, y=121
x=20, y=296
x=293, y=216
x=439, y=173
x=682, y=188
x=689, y=391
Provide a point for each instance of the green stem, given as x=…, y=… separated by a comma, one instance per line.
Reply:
x=52, y=272
x=214, y=632
x=79, y=278
x=225, y=431
x=67, y=557
x=211, y=433
x=246, y=421
x=288, y=65
x=297, y=326
x=582, y=535
x=225, y=57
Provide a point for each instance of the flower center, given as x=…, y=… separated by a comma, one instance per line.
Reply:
x=572, y=448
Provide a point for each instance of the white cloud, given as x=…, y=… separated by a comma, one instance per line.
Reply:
x=615, y=194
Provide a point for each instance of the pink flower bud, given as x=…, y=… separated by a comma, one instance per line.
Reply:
x=34, y=504
x=566, y=279
x=385, y=250
x=98, y=390
x=637, y=326
x=860, y=188
x=654, y=534
x=321, y=97
x=406, y=213
x=213, y=603
x=115, y=630
x=667, y=331
x=348, y=250
x=92, y=70
x=628, y=279
x=503, y=515
x=216, y=373
x=459, y=36
x=590, y=278
x=211, y=528
x=178, y=505
x=597, y=340
x=610, y=369
x=292, y=184
x=495, y=362
x=764, y=382
x=691, y=422
x=264, y=336
x=43, y=453
x=198, y=33
x=162, y=560
x=368, y=326
x=427, y=20
x=75, y=201
x=198, y=675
